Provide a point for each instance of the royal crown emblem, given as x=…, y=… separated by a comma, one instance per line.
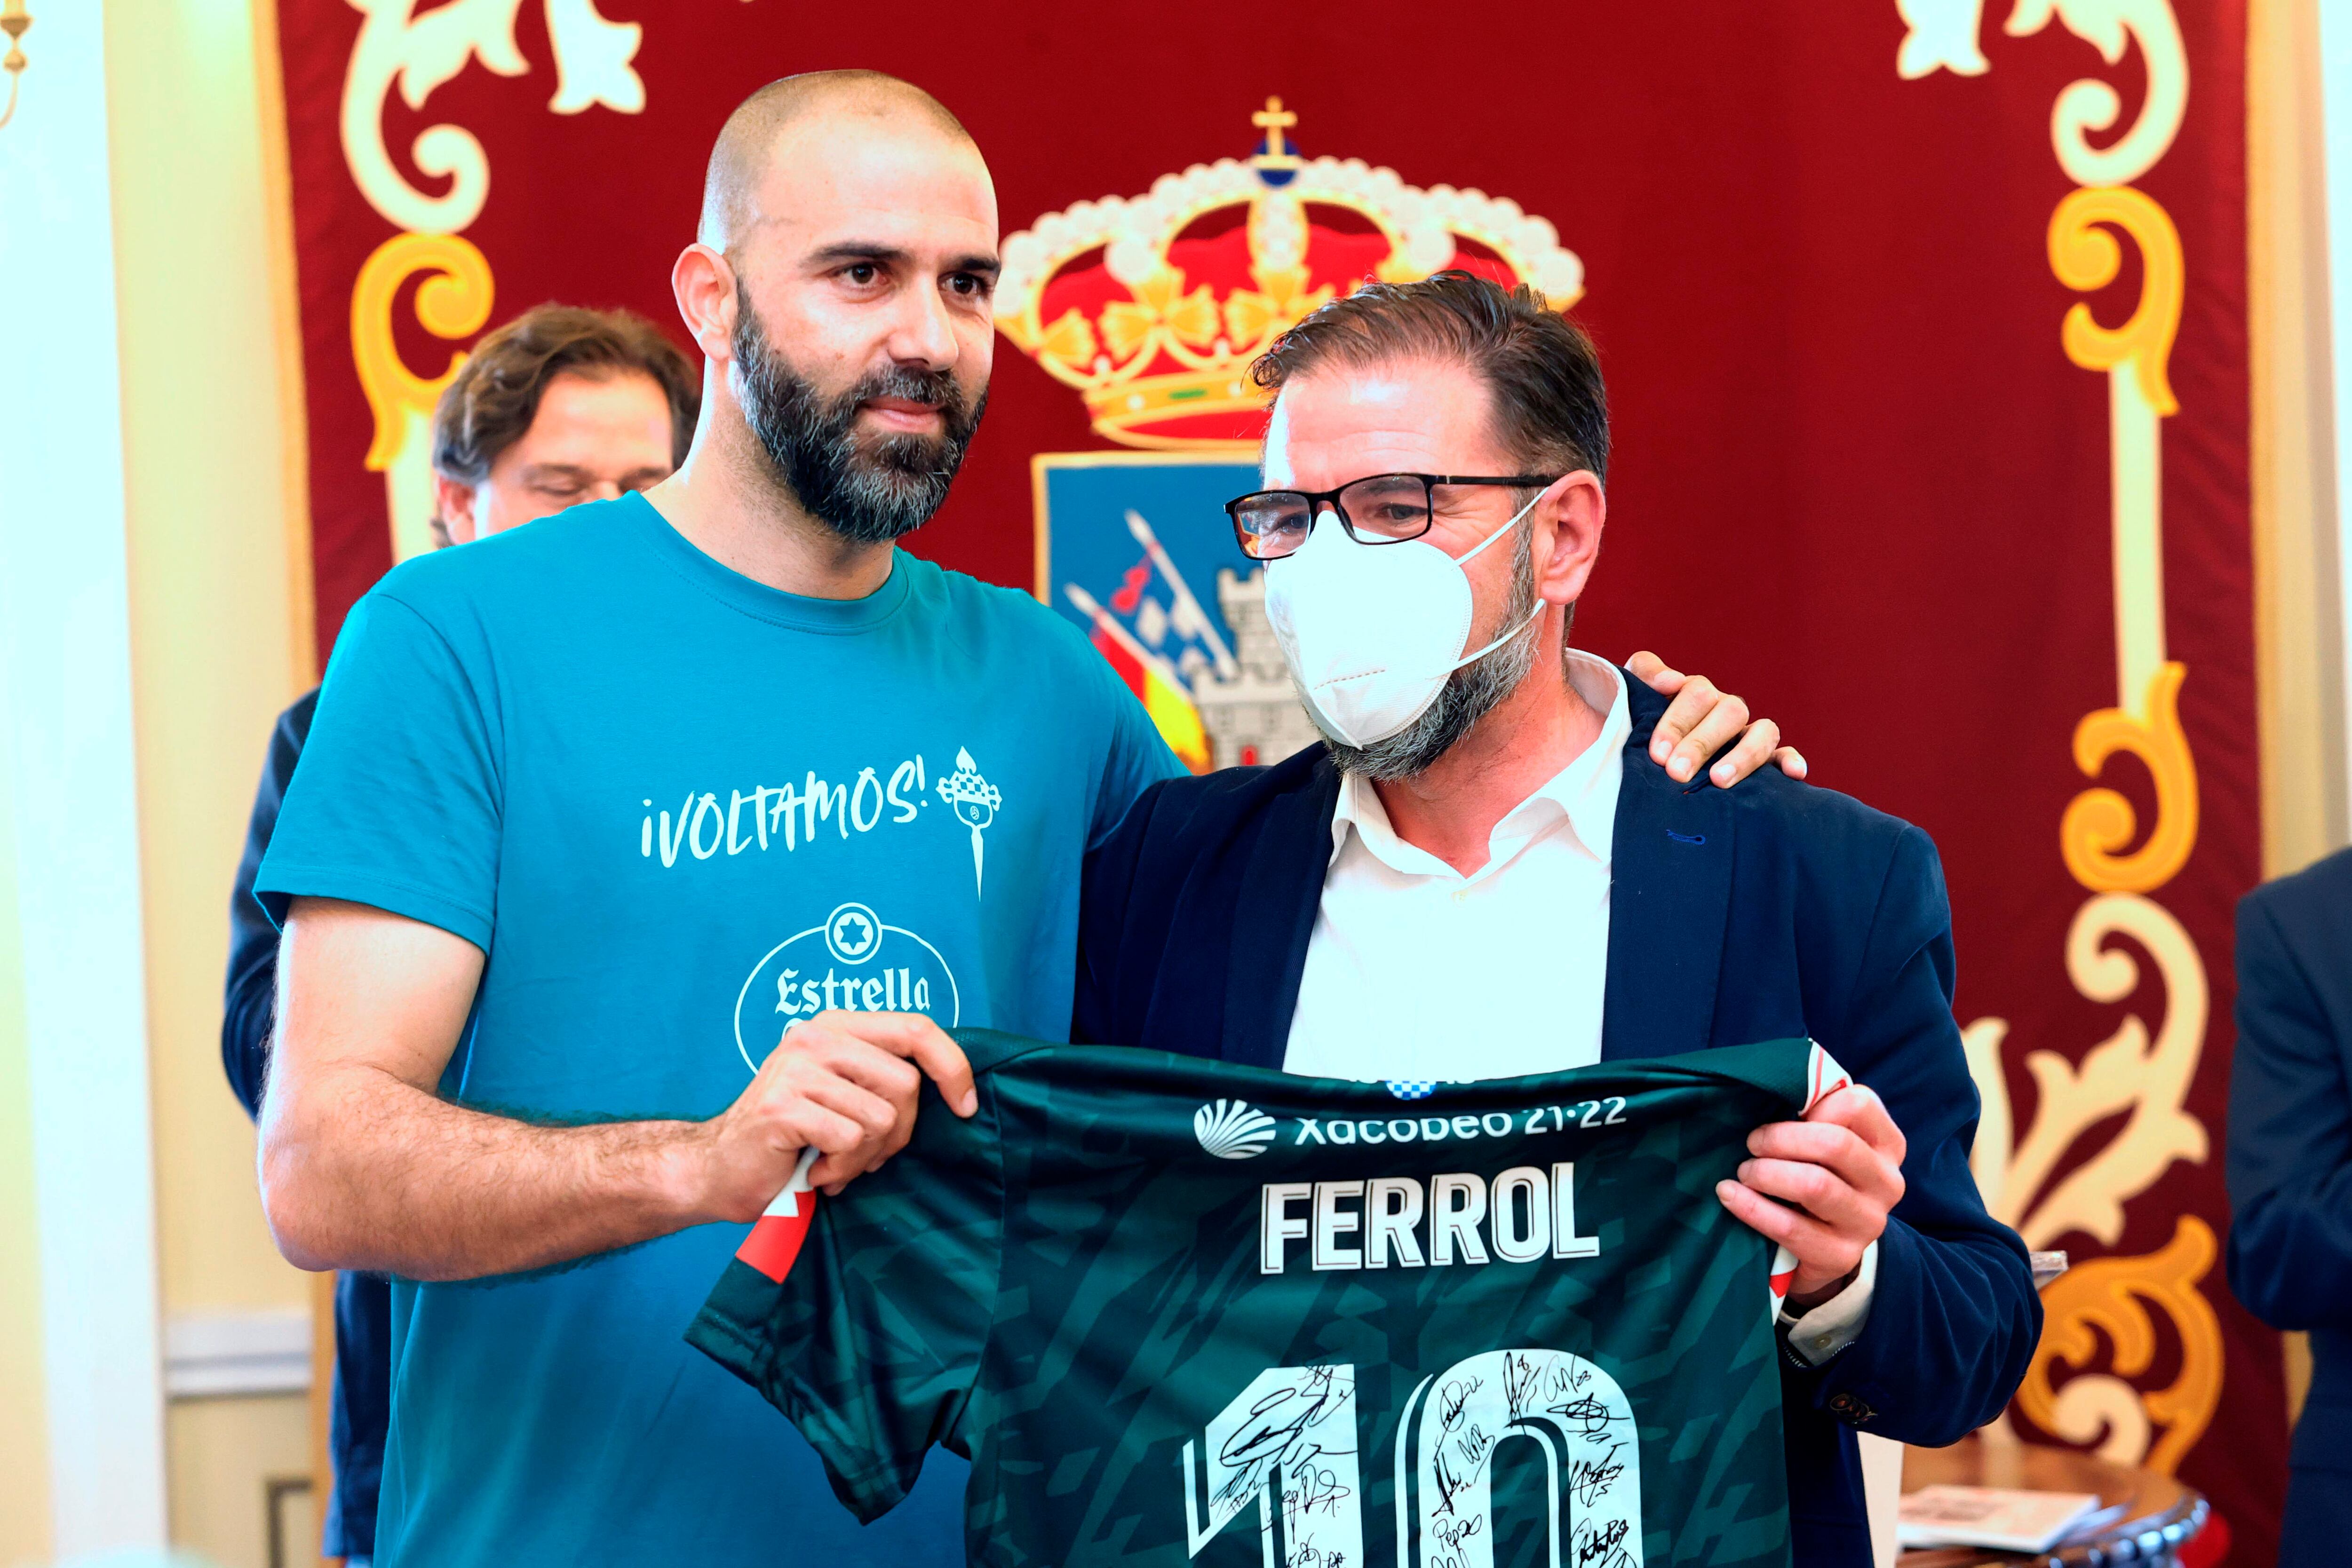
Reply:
x=1154, y=306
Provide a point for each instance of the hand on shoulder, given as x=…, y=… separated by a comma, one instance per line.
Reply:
x=1700, y=720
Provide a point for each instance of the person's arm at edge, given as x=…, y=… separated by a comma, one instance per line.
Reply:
x=364, y=1165
x=2289, y=1142
x=1954, y=1316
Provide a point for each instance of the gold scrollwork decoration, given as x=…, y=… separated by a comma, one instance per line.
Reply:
x=452, y=303
x=2121, y=1299
x=2091, y=105
x=2085, y=257
x=2142, y=1070
x=1942, y=35
x=2136, y=1071
x=2100, y=823
x=422, y=51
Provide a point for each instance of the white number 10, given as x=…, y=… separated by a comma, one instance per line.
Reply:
x=1288, y=1441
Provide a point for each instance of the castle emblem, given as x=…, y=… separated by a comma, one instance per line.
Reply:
x=1152, y=308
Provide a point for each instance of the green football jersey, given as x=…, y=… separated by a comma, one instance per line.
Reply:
x=1177, y=1312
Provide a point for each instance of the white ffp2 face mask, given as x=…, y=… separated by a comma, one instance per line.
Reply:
x=1371, y=632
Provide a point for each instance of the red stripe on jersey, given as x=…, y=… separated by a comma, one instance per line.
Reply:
x=776, y=1241
x=1783, y=1273
x=1825, y=1076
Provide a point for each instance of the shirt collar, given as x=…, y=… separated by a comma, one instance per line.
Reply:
x=1584, y=792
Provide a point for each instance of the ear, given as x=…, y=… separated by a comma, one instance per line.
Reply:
x=1571, y=512
x=703, y=282
x=453, y=511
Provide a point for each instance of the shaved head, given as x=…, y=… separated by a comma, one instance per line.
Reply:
x=841, y=290
x=754, y=133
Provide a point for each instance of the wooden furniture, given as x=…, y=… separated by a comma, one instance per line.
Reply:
x=2157, y=1514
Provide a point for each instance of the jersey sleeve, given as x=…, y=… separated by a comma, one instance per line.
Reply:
x=863, y=1317
x=1795, y=1074
x=398, y=803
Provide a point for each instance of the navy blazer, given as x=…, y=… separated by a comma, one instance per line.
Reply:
x=2291, y=1172
x=1761, y=912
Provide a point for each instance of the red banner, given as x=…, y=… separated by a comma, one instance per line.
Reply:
x=1925, y=332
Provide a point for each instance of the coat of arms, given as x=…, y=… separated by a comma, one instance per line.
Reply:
x=1153, y=307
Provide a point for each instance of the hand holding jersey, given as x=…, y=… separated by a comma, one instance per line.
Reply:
x=1166, y=1305
x=842, y=1084
x=1842, y=1169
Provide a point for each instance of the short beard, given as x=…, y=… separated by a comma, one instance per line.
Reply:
x=1469, y=695
x=872, y=495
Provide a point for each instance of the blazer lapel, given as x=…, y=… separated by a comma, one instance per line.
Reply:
x=1669, y=903
x=1281, y=889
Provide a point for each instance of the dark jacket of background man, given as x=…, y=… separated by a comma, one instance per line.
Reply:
x=1761, y=912
x=2291, y=1172
x=362, y=1302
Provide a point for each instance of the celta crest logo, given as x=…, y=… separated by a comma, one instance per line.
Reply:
x=974, y=800
x=1231, y=1130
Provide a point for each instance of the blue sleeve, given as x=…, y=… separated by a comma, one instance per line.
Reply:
x=1954, y=1317
x=2290, y=1143
x=398, y=801
x=1138, y=758
x=249, y=1003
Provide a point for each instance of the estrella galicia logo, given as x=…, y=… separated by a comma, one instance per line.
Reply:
x=855, y=962
x=1412, y=1088
x=1231, y=1130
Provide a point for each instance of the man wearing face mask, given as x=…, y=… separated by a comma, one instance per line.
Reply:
x=1484, y=873
x=594, y=809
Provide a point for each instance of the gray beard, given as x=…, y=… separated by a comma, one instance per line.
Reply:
x=1469, y=695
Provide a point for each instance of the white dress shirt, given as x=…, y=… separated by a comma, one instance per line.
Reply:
x=1416, y=971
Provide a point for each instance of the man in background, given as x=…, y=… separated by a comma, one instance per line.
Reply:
x=559, y=406
x=2289, y=1163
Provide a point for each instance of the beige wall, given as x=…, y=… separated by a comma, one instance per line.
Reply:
x=213, y=633
x=219, y=645
x=2298, y=623
x=224, y=1454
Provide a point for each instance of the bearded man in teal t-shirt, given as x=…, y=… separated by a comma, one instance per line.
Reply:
x=594, y=809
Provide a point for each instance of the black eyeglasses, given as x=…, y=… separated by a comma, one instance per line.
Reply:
x=1384, y=510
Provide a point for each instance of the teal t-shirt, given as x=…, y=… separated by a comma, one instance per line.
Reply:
x=678, y=809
